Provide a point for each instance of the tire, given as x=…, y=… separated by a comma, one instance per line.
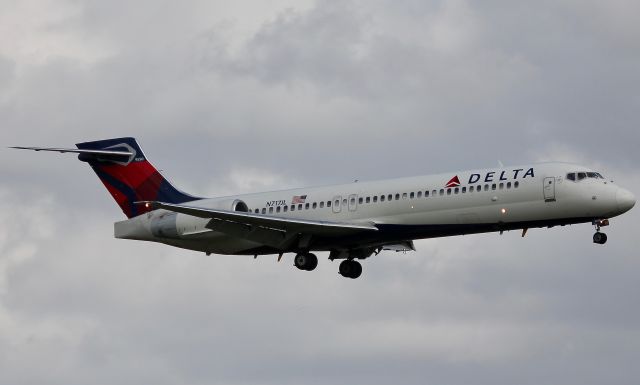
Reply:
x=305, y=261
x=312, y=262
x=604, y=239
x=345, y=268
x=300, y=261
x=600, y=238
x=357, y=270
x=350, y=269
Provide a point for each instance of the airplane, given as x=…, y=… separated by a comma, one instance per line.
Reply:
x=351, y=221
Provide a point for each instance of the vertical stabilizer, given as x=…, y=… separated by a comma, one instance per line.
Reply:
x=130, y=178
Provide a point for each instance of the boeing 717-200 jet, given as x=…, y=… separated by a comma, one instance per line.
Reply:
x=350, y=221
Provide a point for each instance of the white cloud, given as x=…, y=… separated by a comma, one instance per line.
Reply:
x=34, y=32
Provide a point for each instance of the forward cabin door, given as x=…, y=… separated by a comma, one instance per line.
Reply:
x=549, y=189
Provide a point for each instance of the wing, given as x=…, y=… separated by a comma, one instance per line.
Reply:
x=269, y=230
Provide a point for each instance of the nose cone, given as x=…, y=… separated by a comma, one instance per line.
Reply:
x=625, y=200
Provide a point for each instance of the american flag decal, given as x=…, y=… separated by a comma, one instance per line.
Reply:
x=298, y=199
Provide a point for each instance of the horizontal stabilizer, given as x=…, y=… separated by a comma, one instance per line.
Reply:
x=125, y=172
x=85, y=155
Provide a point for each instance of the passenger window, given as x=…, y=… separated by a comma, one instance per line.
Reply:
x=300, y=206
x=448, y=191
x=306, y=206
x=368, y=200
x=293, y=207
x=571, y=176
x=516, y=184
x=389, y=197
x=322, y=204
x=314, y=205
x=397, y=196
x=493, y=186
x=501, y=186
x=257, y=211
x=470, y=189
x=264, y=211
x=441, y=191
x=375, y=199
x=508, y=184
x=426, y=194
x=270, y=210
x=581, y=175
x=420, y=194
x=411, y=196
x=344, y=202
x=360, y=200
x=486, y=187
x=285, y=208
x=456, y=190
x=381, y=198
x=464, y=190
x=278, y=209
x=352, y=201
x=328, y=203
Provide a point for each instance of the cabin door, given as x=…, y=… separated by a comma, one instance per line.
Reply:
x=353, y=202
x=337, y=202
x=549, y=189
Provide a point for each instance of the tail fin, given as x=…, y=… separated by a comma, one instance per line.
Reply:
x=129, y=178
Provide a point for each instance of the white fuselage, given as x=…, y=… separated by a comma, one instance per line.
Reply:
x=403, y=209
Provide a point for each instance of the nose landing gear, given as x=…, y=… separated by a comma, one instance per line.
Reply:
x=600, y=238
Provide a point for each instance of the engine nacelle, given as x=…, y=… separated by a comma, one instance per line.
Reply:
x=165, y=225
x=229, y=204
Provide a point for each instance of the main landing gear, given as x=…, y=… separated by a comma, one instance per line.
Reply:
x=305, y=261
x=350, y=268
x=598, y=237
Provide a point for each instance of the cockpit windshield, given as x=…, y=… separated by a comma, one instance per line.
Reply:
x=580, y=175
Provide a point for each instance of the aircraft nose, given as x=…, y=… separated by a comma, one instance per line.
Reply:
x=625, y=199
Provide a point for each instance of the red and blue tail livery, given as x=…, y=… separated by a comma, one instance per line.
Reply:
x=128, y=175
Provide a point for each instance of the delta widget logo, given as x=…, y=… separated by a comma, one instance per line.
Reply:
x=454, y=182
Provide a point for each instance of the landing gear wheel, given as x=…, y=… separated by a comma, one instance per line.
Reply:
x=600, y=238
x=350, y=269
x=305, y=261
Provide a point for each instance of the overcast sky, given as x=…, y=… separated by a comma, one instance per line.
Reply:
x=243, y=96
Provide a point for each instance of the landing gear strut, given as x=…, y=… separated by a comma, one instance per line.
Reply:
x=598, y=237
x=350, y=269
x=305, y=261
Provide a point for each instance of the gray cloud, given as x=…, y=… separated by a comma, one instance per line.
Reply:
x=235, y=98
